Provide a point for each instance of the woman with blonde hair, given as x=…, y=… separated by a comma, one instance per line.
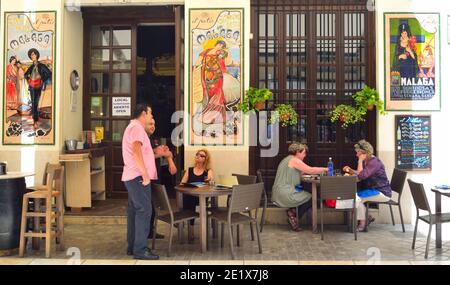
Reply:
x=200, y=172
x=374, y=182
x=286, y=192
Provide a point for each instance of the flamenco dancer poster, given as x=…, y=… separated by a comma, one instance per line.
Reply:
x=29, y=90
x=216, y=83
x=412, y=62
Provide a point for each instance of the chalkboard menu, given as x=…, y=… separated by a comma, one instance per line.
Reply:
x=413, y=142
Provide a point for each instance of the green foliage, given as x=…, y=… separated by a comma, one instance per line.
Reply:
x=364, y=99
x=285, y=114
x=253, y=96
x=346, y=114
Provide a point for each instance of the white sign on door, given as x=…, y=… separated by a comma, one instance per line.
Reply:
x=121, y=106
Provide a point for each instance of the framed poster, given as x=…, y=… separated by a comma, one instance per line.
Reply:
x=413, y=142
x=412, y=61
x=29, y=85
x=216, y=83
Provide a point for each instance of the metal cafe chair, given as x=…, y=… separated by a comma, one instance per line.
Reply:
x=421, y=202
x=242, y=180
x=397, y=184
x=338, y=188
x=246, y=180
x=244, y=199
x=265, y=202
x=163, y=212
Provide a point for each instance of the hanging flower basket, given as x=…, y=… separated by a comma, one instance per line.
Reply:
x=365, y=100
x=285, y=115
x=255, y=99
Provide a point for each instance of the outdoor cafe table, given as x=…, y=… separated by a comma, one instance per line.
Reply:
x=202, y=193
x=314, y=183
x=439, y=193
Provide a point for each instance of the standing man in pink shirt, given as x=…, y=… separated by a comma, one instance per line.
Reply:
x=138, y=171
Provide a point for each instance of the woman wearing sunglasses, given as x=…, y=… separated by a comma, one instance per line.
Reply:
x=200, y=172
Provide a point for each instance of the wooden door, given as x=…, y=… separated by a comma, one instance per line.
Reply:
x=110, y=67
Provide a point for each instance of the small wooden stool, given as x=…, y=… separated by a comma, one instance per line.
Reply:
x=52, y=211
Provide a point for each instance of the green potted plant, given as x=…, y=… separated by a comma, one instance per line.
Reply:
x=285, y=115
x=346, y=115
x=255, y=99
x=367, y=99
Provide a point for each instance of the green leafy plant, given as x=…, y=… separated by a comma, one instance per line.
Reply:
x=254, y=99
x=364, y=100
x=346, y=114
x=285, y=114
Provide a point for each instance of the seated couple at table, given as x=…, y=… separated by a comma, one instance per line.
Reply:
x=200, y=172
x=370, y=172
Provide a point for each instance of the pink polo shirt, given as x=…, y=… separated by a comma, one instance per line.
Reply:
x=135, y=132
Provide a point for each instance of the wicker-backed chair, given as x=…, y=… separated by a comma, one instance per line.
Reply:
x=244, y=199
x=265, y=203
x=338, y=188
x=397, y=183
x=421, y=202
x=163, y=212
x=263, y=200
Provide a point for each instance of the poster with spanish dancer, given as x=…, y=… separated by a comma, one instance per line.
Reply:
x=29, y=90
x=412, y=58
x=215, y=78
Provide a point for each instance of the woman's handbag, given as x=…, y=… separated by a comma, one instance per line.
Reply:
x=330, y=203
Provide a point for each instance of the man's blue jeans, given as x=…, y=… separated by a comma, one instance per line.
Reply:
x=139, y=214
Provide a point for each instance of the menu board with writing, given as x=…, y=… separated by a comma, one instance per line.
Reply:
x=413, y=142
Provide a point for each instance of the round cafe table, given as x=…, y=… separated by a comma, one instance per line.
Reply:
x=202, y=193
x=12, y=189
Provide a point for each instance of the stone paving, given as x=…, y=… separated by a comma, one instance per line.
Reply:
x=384, y=244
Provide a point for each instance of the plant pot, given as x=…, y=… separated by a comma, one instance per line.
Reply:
x=284, y=117
x=342, y=118
x=259, y=105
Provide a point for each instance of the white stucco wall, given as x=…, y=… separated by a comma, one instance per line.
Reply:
x=69, y=51
x=72, y=122
x=225, y=160
x=33, y=158
x=439, y=120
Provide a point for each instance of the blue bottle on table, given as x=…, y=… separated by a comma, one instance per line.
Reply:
x=330, y=167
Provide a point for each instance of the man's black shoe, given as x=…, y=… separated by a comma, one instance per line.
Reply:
x=147, y=255
x=130, y=251
x=158, y=236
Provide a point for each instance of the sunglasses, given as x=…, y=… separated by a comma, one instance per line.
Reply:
x=360, y=147
x=201, y=155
